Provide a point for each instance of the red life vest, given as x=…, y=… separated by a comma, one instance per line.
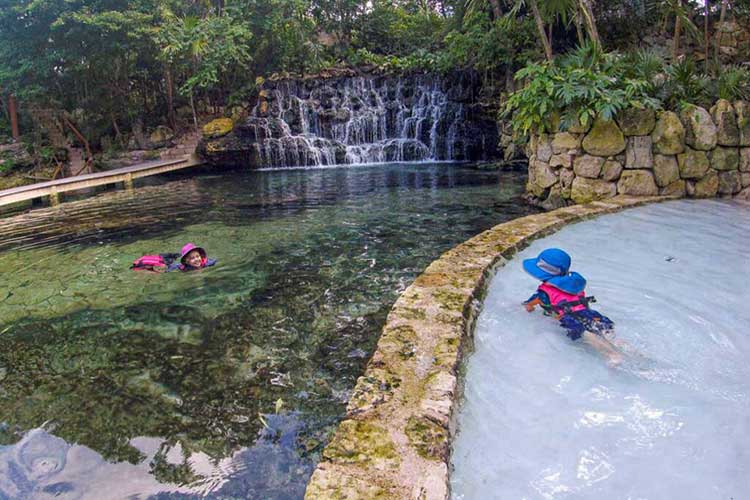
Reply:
x=559, y=298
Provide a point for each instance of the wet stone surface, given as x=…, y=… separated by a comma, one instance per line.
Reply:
x=228, y=382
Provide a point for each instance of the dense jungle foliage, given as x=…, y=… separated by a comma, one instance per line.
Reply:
x=118, y=65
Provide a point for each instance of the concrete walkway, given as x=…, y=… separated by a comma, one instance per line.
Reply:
x=124, y=175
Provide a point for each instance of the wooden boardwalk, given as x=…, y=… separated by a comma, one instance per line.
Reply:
x=52, y=189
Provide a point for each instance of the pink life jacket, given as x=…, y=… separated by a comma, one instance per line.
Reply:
x=148, y=262
x=558, y=298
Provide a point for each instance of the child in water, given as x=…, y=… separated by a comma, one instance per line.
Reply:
x=190, y=258
x=562, y=296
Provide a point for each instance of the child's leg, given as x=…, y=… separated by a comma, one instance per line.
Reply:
x=603, y=346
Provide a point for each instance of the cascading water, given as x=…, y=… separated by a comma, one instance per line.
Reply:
x=361, y=119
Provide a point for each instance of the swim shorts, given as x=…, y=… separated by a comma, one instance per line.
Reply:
x=577, y=322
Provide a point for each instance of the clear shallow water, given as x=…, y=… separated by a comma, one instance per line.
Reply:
x=545, y=418
x=225, y=382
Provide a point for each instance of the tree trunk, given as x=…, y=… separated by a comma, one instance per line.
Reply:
x=13, y=117
x=579, y=26
x=676, y=39
x=195, y=115
x=540, y=29
x=589, y=21
x=717, y=28
x=169, y=80
x=705, y=34
x=496, y=10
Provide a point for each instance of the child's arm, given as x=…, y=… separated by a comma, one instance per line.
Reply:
x=540, y=299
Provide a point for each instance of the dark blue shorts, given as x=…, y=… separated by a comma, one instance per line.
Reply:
x=577, y=322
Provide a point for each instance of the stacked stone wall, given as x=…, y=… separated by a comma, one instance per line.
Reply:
x=696, y=153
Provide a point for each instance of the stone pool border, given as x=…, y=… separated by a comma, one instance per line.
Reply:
x=394, y=442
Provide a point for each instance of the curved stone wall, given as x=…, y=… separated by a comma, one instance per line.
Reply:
x=699, y=153
x=395, y=440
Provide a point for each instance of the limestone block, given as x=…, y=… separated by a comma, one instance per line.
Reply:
x=638, y=153
x=744, y=160
x=676, y=188
x=577, y=128
x=742, y=111
x=729, y=182
x=544, y=176
x=585, y=190
x=604, y=139
x=666, y=170
x=745, y=179
x=635, y=121
x=743, y=195
x=693, y=164
x=543, y=148
x=561, y=160
x=566, y=181
x=637, y=183
x=725, y=158
x=668, y=135
x=700, y=131
x=726, y=123
x=555, y=199
x=563, y=141
x=611, y=170
x=708, y=186
x=588, y=166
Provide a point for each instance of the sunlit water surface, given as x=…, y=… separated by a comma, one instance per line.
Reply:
x=225, y=382
x=545, y=418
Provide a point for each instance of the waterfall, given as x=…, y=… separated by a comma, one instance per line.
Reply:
x=363, y=119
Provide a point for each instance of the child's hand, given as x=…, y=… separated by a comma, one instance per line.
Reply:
x=531, y=304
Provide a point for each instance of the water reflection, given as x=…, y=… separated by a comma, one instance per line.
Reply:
x=226, y=382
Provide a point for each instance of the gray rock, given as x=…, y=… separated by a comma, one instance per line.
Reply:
x=561, y=160
x=637, y=183
x=611, y=170
x=745, y=179
x=666, y=170
x=700, y=131
x=585, y=190
x=543, y=148
x=676, y=188
x=707, y=187
x=729, y=182
x=725, y=158
x=726, y=123
x=635, y=121
x=638, y=153
x=742, y=111
x=744, y=165
x=604, y=139
x=668, y=135
x=564, y=141
x=588, y=166
x=693, y=164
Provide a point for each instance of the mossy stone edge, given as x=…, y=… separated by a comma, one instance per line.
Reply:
x=394, y=442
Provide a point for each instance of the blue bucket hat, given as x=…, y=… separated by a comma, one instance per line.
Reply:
x=572, y=283
x=550, y=263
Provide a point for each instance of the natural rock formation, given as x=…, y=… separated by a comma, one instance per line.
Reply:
x=637, y=183
x=668, y=135
x=604, y=139
x=635, y=121
x=700, y=131
x=726, y=122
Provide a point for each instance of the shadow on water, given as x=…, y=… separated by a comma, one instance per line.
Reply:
x=227, y=382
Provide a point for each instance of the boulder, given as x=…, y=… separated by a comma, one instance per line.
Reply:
x=700, y=131
x=161, y=136
x=585, y=190
x=707, y=187
x=566, y=181
x=638, y=153
x=637, y=183
x=562, y=160
x=636, y=121
x=744, y=160
x=604, y=139
x=676, y=188
x=668, y=135
x=577, y=128
x=588, y=166
x=725, y=158
x=554, y=200
x=217, y=128
x=611, y=170
x=726, y=123
x=742, y=111
x=562, y=142
x=729, y=182
x=745, y=179
x=543, y=148
x=743, y=195
x=693, y=164
x=666, y=170
x=541, y=176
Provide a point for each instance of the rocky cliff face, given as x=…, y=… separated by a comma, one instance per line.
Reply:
x=361, y=119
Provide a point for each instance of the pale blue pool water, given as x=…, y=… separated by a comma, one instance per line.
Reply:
x=546, y=418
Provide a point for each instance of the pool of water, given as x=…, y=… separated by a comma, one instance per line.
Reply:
x=225, y=382
x=547, y=418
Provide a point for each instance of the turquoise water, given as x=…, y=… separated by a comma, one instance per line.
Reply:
x=225, y=382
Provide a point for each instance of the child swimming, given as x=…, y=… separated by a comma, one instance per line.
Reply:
x=561, y=295
x=190, y=258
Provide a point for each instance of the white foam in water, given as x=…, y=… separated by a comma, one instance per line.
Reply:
x=546, y=418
